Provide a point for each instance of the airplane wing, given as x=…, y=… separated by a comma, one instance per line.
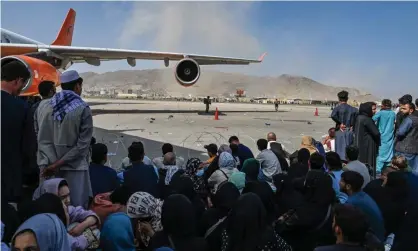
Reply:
x=95, y=55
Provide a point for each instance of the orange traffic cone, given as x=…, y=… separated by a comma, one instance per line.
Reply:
x=216, y=114
x=316, y=112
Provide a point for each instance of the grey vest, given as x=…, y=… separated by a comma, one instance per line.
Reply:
x=410, y=143
x=56, y=138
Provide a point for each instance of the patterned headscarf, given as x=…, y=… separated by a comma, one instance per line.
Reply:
x=226, y=160
x=171, y=170
x=199, y=184
x=144, y=205
x=192, y=166
x=65, y=102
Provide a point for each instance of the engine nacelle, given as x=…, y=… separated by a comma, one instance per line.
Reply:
x=187, y=72
x=39, y=71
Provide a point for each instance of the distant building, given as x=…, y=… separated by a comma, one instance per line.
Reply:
x=127, y=95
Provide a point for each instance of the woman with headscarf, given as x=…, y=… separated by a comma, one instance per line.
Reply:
x=392, y=200
x=43, y=232
x=227, y=166
x=213, y=221
x=117, y=234
x=238, y=179
x=184, y=185
x=367, y=135
x=301, y=167
x=59, y=187
x=52, y=204
x=247, y=228
x=146, y=210
x=286, y=196
x=251, y=168
x=309, y=224
x=199, y=183
x=263, y=190
x=308, y=143
x=179, y=226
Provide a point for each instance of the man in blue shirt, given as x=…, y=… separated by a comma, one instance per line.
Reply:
x=140, y=177
x=103, y=178
x=243, y=152
x=351, y=183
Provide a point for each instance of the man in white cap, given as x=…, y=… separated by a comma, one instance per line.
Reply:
x=64, y=126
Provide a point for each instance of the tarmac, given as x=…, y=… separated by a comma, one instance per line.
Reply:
x=188, y=128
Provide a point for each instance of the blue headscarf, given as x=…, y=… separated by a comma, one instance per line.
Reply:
x=3, y=245
x=49, y=231
x=226, y=160
x=117, y=234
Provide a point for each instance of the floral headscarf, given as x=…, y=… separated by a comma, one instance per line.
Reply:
x=199, y=184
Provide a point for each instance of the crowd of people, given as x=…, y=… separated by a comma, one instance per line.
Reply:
x=355, y=190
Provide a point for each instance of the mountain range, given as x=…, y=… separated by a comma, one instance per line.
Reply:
x=215, y=83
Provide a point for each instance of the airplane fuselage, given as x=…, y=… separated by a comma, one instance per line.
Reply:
x=8, y=37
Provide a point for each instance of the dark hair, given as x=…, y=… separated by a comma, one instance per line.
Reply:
x=262, y=144
x=70, y=86
x=352, y=152
x=120, y=195
x=232, y=139
x=333, y=161
x=354, y=179
x=416, y=102
x=303, y=156
x=412, y=106
x=352, y=221
x=62, y=184
x=316, y=161
x=50, y=203
x=387, y=102
x=98, y=153
x=234, y=148
x=399, y=162
x=12, y=70
x=343, y=96
x=45, y=88
x=136, y=151
x=167, y=148
x=405, y=99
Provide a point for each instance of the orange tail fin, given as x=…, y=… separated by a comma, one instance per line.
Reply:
x=65, y=35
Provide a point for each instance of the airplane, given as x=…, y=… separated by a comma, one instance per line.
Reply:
x=46, y=62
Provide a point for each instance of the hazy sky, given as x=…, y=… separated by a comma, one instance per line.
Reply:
x=368, y=45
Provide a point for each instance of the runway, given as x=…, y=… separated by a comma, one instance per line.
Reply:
x=184, y=124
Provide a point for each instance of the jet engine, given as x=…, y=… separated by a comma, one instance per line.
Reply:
x=39, y=71
x=187, y=72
